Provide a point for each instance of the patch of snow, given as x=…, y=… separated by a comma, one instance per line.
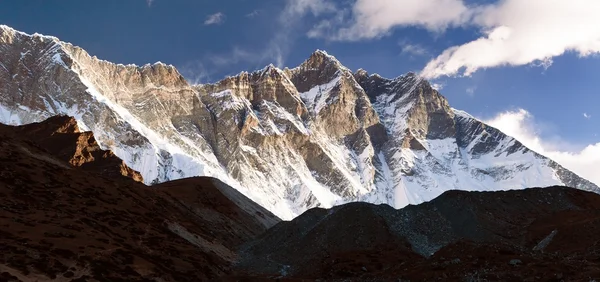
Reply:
x=316, y=98
x=56, y=58
x=8, y=116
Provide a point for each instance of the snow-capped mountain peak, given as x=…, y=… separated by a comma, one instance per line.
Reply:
x=292, y=139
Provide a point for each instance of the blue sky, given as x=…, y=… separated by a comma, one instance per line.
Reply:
x=495, y=72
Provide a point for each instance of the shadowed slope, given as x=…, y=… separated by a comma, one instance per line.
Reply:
x=63, y=222
x=453, y=236
x=61, y=137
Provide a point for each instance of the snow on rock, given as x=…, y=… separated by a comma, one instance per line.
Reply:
x=318, y=97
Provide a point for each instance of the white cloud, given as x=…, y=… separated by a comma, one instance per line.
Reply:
x=521, y=125
x=373, y=18
x=149, y=2
x=216, y=18
x=587, y=116
x=515, y=32
x=523, y=32
x=367, y=19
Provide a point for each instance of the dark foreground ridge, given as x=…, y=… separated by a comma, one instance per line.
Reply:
x=526, y=235
x=67, y=213
x=72, y=211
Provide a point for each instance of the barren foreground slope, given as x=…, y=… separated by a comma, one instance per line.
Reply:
x=67, y=212
x=548, y=234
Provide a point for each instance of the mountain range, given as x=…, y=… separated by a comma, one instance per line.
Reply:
x=291, y=139
x=71, y=211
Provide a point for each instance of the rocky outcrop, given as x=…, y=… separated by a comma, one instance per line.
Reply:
x=61, y=137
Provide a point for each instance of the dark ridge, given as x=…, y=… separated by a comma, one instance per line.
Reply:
x=60, y=221
x=451, y=237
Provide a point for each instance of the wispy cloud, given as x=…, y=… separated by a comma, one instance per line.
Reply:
x=471, y=90
x=196, y=72
x=149, y=2
x=295, y=9
x=587, y=116
x=278, y=47
x=412, y=49
x=235, y=56
x=215, y=19
x=253, y=14
x=522, y=125
x=206, y=69
x=275, y=50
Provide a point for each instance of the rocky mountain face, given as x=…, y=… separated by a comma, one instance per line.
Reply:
x=67, y=214
x=292, y=139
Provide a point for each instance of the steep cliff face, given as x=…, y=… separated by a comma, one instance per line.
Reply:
x=292, y=139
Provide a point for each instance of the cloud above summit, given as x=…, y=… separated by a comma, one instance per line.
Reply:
x=513, y=32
